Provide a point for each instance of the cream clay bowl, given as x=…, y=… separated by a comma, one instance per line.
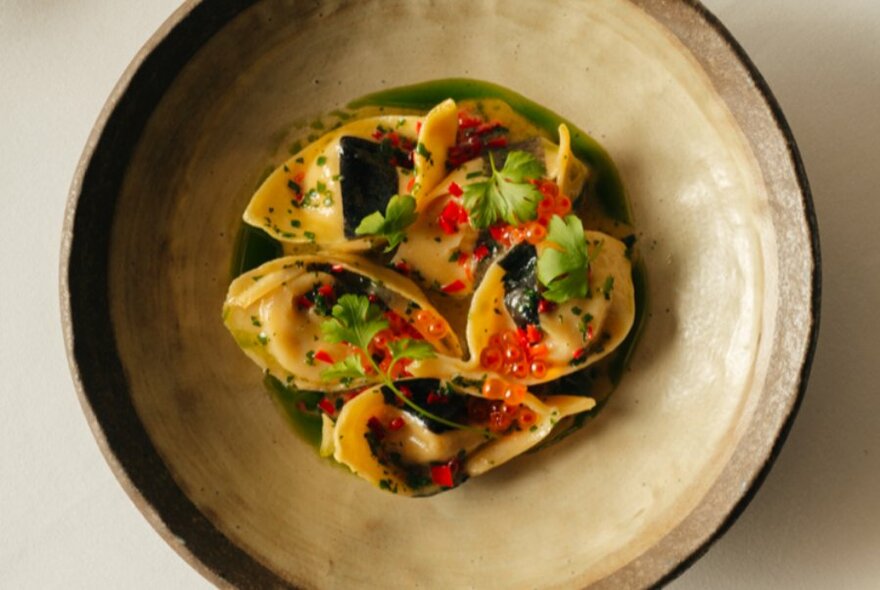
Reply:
x=726, y=232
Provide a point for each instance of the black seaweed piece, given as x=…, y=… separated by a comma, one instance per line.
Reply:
x=443, y=403
x=348, y=282
x=369, y=180
x=578, y=383
x=521, y=284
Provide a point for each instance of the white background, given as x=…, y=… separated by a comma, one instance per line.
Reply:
x=65, y=521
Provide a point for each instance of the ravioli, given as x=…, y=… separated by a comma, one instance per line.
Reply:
x=437, y=293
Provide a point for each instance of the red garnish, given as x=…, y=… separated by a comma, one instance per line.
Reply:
x=325, y=290
x=396, y=423
x=410, y=184
x=304, y=302
x=402, y=267
x=498, y=232
x=327, y=406
x=463, y=258
x=455, y=190
x=481, y=252
x=377, y=134
x=454, y=287
x=448, y=227
x=442, y=475
x=487, y=127
x=497, y=142
x=545, y=306
x=579, y=353
x=534, y=334
x=337, y=268
x=466, y=121
x=452, y=215
x=418, y=127
x=406, y=391
x=324, y=357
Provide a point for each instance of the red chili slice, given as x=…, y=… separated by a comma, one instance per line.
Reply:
x=481, y=252
x=442, y=475
x=454, y=287
x=327, y=406
x=324, y=357
x=325, y=290
x=455, y=190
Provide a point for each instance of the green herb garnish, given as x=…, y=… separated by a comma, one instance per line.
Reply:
x=399, y=214
x=506, y=195
x=563, y=266
x=355, y=320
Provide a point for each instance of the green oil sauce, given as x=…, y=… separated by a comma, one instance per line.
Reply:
x=299, y=406
x=605, y=194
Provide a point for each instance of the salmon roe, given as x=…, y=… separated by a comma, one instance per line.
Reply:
x=516, y=353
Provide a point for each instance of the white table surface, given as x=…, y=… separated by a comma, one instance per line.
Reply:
x=65, y=521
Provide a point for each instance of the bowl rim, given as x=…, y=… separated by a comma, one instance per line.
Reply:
x=192, y=535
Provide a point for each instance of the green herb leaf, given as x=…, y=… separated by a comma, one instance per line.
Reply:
x=355, y=320
x=410, y=348
x=563, y=271
x=507, y=195
x=399, y=214
x=348, y=368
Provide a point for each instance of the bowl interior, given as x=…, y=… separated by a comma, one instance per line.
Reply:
x=613, y=504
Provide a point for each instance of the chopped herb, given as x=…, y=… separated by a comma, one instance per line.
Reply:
x=474, y=174
x=255, y=321
x=576, y=310
x=300, y=160
x=263, y=338
x=586, y=332
x=310, y=358
x=294, y=187
x=423, y=152
x=310, y=236
x=321, y=160
x=295, y=223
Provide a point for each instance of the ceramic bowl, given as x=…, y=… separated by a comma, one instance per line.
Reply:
x=726, y=229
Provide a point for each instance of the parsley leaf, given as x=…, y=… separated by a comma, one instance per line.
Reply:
x=348, y=368
x=399, y=214
x=354, y=320
x=507, y=195
x=563, y=269
x=410, y=348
